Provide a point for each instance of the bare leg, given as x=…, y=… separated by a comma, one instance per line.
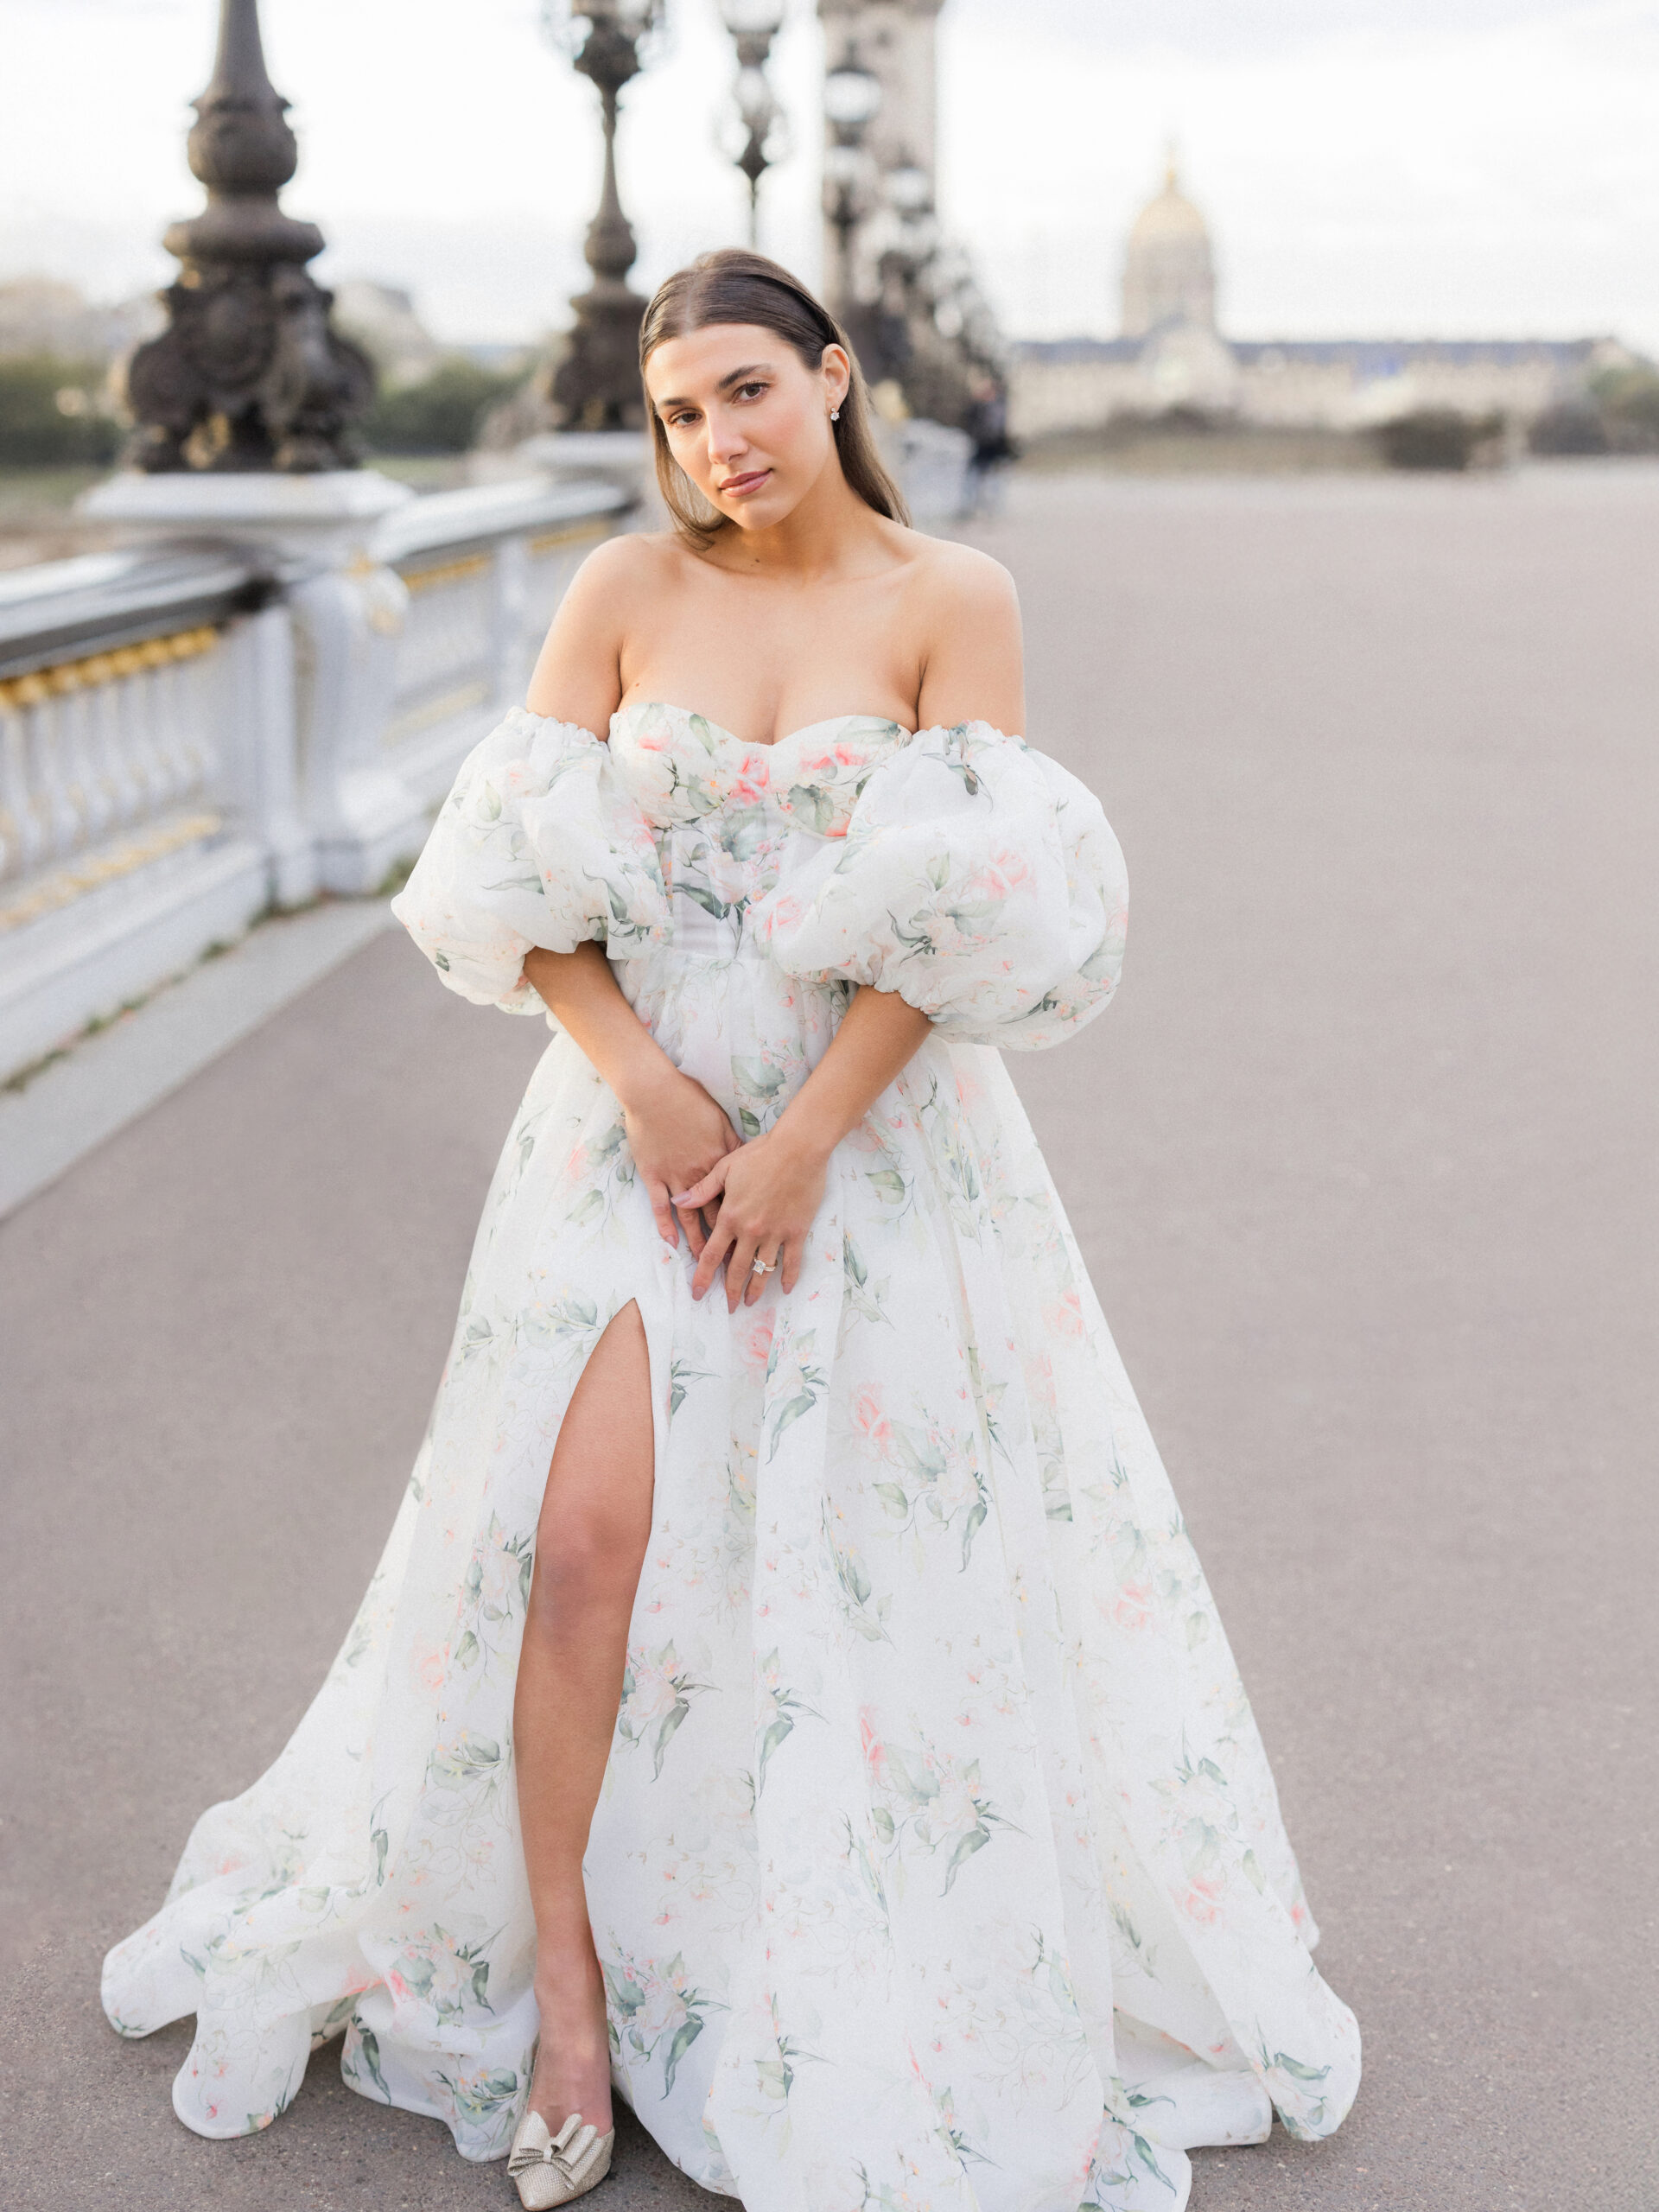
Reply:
x=590, y=1545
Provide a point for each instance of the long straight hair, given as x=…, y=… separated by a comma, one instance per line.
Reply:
x=736, y=286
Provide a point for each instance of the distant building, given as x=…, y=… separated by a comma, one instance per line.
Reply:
x=383, y=322
x=39, y=315
x=1172, y=354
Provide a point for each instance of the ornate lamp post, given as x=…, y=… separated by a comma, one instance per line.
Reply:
x=249, y=375
x=852, y=99
x=754, y=134
x=596, y=386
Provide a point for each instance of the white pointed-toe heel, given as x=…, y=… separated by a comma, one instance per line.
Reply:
x=553, y=2169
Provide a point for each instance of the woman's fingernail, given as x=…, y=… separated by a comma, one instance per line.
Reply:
x=679, y=1197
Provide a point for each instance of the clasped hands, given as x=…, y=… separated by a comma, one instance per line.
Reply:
x=739, y=1203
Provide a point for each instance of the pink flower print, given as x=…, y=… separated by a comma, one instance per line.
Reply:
x=654, y=1692
x=1134, y=1606
x=431, y=1670
x=652, y=740
x=875, y=1757
x=1064, y=1316
x=1201, y=1899
x=871, y=1423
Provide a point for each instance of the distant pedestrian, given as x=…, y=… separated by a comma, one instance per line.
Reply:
x=988, y=426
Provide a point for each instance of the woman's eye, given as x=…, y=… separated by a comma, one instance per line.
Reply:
x=746, y=388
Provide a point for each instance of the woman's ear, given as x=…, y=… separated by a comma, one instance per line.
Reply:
x=837, y=369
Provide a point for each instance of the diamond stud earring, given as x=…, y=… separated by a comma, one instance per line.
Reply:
x=835, y=414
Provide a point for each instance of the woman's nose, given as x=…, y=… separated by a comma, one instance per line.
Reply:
x=726, y=438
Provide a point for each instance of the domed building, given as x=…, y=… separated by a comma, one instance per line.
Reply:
x=1170, y=358
x=1169, y=271
x=1169, y=306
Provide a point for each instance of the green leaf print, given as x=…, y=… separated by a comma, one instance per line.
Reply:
x=370, y=2048
x=977, y=1514
x=681, y=1377
x=684, y=2035
x=894, y=1498
x=760, y=1078
x=803, y=1402
x=778, y=1732
x=700, y=894
x=976, y=1840
x=813, y=804
x=889, y=1183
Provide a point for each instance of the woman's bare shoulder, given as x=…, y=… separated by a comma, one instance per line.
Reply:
x=966, y=616
x=633, y=560
x=948, y=565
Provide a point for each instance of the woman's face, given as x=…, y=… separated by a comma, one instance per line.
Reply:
x=746, y=418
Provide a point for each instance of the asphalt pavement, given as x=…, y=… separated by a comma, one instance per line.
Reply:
x=1363, y=1161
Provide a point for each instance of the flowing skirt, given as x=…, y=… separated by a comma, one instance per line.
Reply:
x=938, y=1861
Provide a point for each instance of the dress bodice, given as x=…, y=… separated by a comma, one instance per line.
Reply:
x=679, y=767
x=732, y=821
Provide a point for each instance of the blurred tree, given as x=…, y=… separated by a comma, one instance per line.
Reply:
x=1628, y=400
x=53, y=413
x=442, y=413
x=1437, y=437
x=1572, y=426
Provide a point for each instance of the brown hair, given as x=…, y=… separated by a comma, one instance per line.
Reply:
x=734, y=285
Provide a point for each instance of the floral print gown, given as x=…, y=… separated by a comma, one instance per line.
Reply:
x=937, y=1863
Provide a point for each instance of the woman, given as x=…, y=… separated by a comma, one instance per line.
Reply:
x=788, y=1691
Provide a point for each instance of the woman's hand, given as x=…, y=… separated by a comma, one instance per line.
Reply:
x=768, y=1192
x=676, y=1134
x=675, y=1131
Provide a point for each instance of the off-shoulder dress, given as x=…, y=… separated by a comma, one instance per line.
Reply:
x=938, y=1862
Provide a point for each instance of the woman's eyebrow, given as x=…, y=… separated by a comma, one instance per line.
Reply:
x=736, y=376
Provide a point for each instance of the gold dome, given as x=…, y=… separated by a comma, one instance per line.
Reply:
x=1170, y=218
x=1169, y=273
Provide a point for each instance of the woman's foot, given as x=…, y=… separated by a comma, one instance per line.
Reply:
x=573, y=2058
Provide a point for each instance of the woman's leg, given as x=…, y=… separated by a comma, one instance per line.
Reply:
x=589, y=1547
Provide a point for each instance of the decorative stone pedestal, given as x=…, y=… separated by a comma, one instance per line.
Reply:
x=346, y=816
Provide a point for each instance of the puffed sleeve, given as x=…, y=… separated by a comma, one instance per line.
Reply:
x=536, y=844
x=978, y=879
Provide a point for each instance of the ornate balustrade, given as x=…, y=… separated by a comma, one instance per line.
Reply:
x=179, y=750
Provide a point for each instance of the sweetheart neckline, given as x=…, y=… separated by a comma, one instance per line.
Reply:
x=827, y=721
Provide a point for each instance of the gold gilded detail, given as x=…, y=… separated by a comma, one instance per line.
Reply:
x=448, y=572
x=88, y=670
x=65, y=885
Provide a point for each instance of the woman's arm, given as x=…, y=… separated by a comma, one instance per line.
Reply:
x=966, y=612
x=675, y=1131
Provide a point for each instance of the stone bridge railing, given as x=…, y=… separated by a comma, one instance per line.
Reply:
x=194, y=732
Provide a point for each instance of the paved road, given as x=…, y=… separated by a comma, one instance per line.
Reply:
x=1362, y=1160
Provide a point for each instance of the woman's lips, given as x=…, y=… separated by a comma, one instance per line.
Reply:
x=736, y=487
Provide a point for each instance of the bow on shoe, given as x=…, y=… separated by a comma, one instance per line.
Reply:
x=567, y=2152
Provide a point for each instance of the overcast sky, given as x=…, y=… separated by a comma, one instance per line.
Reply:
x=1367, y=166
